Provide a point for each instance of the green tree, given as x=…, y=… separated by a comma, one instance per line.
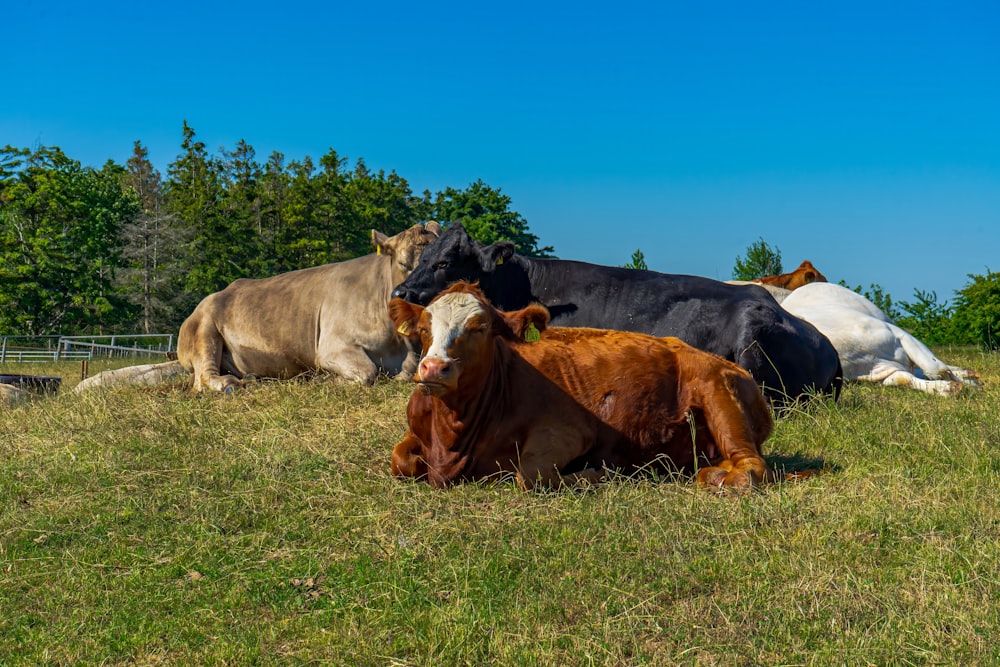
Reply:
x=241, y=219
x=976, y=318
x=927, y=319
x=377, y=201
x=299, y=240
x=760, y=260
x=638, y=261
x=878, y=296
x=485, y=213
x=275, y=187
x=59, y=243
x=193, y=195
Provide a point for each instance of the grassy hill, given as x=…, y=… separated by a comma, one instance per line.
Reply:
x=151, y=526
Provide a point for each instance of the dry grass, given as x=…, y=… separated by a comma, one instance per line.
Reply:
x=156, y=527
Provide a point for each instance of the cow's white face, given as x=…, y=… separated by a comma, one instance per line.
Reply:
x=454, y=332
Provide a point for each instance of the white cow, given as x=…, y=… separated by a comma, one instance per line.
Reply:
x=870, y=346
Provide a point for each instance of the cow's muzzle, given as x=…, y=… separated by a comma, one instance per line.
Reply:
x=436, y=375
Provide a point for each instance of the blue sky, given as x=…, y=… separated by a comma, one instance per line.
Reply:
x=862, y=136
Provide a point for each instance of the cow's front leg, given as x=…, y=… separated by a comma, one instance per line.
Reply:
x=408, y=459
x=410, y=362
x=739, y=421
x=735, y=474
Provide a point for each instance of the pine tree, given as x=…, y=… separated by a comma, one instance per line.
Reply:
x=761, y=260
x=151, y=246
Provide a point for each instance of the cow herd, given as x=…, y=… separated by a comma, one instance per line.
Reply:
x=555, y=371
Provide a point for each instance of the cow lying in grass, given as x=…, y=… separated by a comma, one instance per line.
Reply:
x=500, y=393
x=330, y=318
x=870, y=346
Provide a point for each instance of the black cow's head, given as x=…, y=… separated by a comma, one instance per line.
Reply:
x=453, y=256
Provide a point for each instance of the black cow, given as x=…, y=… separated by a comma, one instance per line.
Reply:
x=787, y=356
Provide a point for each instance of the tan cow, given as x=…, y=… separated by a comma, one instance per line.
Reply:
x=331, y=318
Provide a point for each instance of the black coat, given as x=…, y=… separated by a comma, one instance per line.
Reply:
x=787, y=356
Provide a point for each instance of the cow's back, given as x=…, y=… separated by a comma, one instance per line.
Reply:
x=742, y=324
x=645, y=392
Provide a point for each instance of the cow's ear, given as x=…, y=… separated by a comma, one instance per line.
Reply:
x=380, y=241
x=404, y=316
x=528, y=323
x=493, y=256
x=433, y=227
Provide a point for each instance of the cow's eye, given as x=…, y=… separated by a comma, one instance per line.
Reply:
x=440, y=266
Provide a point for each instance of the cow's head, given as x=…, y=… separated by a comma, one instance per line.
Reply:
x=458, y=331
x=405, y=248
x=454, y=256
x=805, y=274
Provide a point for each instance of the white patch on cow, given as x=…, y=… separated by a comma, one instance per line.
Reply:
x=449, y=316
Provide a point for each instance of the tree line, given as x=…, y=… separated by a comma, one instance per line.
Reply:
x=123, y=249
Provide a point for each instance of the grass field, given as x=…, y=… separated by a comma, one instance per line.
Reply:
x=151, y=526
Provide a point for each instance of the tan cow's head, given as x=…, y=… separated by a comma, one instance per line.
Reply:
x=403, y=249
x=458, y=330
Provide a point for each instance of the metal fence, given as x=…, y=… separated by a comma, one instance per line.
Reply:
x=66, y=348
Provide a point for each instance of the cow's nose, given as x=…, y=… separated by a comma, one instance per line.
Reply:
x=399, y=293
x=435, y=370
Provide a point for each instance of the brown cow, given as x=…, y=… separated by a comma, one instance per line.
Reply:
x=497, y=396
x=331, y=318
x=805, y=274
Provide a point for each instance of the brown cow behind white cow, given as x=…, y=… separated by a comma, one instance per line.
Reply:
x=781, y=286
x=331, y=318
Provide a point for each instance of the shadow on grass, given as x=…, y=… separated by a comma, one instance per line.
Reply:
x=797, y=465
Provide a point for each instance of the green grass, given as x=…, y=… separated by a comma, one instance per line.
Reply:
x=150, y=526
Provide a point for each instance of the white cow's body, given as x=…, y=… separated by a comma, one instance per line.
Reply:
x=870, y=346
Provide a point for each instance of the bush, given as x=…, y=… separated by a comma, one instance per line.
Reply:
x=927, y=319
x=976, y=318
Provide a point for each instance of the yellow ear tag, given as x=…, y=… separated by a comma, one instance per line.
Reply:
x=404, y=329
x=532, y=334
x=378, y=250
x=499, y=261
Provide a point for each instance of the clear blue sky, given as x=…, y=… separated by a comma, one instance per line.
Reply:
x=864, y=136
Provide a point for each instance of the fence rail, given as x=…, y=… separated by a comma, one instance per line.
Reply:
x=67, y=348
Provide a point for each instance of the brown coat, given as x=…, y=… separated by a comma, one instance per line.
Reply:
x=572, y=405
